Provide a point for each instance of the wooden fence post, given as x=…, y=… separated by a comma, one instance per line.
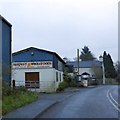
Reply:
x=13, y=83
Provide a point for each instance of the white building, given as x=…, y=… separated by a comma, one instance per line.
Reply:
x=37, y=69
x=85, y=66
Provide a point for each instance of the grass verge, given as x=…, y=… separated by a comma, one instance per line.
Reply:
x=16, y=99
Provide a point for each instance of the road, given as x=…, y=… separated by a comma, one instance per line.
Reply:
x=98, y=102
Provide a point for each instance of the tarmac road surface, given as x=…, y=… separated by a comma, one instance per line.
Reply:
x=98, y=102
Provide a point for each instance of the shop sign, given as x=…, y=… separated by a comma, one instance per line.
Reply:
x=43, y=64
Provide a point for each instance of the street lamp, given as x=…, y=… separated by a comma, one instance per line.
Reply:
x=103, y=68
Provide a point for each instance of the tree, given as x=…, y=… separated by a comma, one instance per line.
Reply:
x=117, y=66
x=110, y=71
x=118, y=71
x=105, y=62
x=97, y=71
x=86, y=54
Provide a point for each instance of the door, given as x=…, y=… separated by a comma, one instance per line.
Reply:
x=32, y=79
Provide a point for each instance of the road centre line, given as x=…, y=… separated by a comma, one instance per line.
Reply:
x=112, y=101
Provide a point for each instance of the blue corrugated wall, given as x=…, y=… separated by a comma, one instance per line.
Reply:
x=31, y=55
x=6, y=51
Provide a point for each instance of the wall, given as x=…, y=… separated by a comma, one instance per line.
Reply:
x=38, y=55
x=57, y=64
x=0, y=48
x=119, y=31
x=0, y=67
x=48, y=75
x=6, y=51
x=82, y=70
x=58, y=74
x=47, y=78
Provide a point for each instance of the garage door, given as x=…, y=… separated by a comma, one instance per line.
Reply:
x=32, y=79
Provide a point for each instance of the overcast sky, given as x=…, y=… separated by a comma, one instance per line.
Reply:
x=63, y=25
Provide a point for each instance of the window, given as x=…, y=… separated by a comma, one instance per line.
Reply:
x=56, y=76
x=60, y=76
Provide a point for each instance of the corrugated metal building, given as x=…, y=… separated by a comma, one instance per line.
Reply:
x=5, y=50
x=37, y=68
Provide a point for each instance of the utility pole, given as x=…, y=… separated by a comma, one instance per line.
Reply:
x=103, y=73
x=103, y=68
x=78, y=59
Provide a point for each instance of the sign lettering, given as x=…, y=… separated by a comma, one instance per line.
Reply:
x=43, y=64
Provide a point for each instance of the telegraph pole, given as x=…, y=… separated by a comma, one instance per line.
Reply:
x=103, y=68
x=78, y=59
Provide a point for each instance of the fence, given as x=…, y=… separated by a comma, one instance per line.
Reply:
x=41, y=86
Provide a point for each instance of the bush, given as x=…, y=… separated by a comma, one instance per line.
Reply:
x=13, y=102
x=79, y=84
x=15, y=98
x=73, y=84
x=110, y=81
x=118, y=78
x=62, y=86
x=67, y=78
x=6, y=89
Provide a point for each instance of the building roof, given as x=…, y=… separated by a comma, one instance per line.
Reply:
x=33, y=48
x=85, y=73
x=84, y=64
x=1, y=17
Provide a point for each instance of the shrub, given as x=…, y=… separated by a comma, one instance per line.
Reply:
x=6, y=89
x=62, y=86
x=73, y=84
x=118, y=78
x=13, y=102
x=79, y=84
x=66, y=78
x=15, y=98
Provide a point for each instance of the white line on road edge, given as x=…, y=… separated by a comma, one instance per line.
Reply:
x=112, y=101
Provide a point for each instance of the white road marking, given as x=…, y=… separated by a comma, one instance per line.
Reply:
x=112, y=101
